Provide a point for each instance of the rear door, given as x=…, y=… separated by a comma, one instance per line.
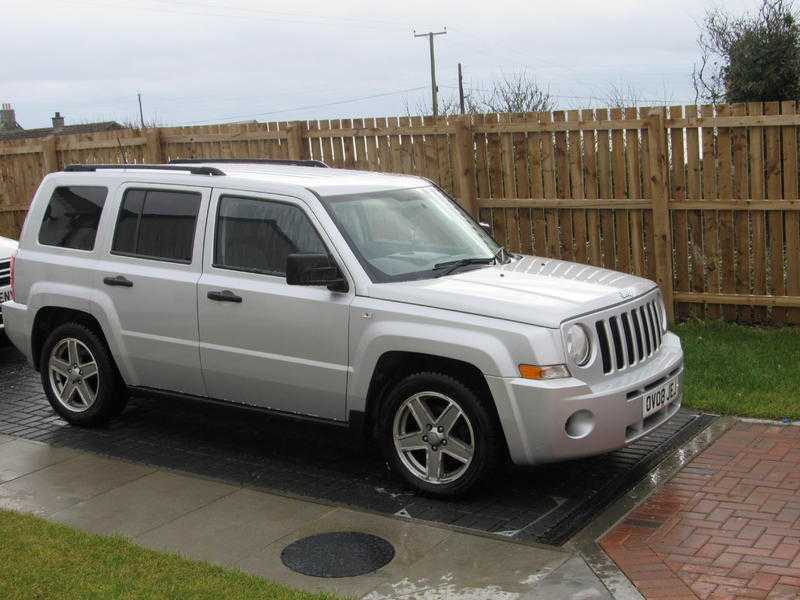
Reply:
x=262, y=341
x=150, y=275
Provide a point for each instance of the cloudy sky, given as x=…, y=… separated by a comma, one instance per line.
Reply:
x=211, y=61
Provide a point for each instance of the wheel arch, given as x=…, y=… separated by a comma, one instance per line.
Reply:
x=50, y=317
x=394, y=365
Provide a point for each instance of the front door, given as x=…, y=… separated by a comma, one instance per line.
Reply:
x=263, y=342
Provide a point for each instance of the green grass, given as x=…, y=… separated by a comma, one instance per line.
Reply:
x=39, y=559
x=740, y=370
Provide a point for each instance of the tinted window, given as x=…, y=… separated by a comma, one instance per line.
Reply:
x=257, y=235
x=157, y=224
x=71, y=217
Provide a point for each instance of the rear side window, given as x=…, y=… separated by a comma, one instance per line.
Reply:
x=157, y=224
x=257, y=235
x=71, y=217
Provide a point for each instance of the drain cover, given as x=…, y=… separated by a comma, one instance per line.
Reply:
x=338, y=554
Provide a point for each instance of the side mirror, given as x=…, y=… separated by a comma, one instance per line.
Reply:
x=314, y=269
x=486, y=227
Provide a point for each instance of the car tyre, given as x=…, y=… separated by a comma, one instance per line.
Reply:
x=79, y=376
x=448, y=447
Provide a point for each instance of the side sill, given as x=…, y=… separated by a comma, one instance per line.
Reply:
x=168, y=395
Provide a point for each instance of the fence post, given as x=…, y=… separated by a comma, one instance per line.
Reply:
x=49, y=155
x=659, y=199
x=152, y=149
x=298, y=149
x=465, y=165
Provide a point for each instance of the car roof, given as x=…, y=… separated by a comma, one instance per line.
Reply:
x=322, y=181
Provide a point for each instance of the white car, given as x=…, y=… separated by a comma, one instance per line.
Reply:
x=359, y=299
x=7, y=248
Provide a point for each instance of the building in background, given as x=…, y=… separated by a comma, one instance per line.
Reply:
x=10, y=129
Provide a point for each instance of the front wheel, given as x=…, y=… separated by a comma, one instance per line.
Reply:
x=438, y=434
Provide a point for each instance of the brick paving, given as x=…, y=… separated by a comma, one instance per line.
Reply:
x=726, y=526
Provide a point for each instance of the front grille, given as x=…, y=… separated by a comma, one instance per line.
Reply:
x=630, y=336
x=5, y=272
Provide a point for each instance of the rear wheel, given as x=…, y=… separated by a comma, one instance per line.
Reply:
x=79, y=377
x=438, y=434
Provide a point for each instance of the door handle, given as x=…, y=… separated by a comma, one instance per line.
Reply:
x=119, y=281
x=224, y=296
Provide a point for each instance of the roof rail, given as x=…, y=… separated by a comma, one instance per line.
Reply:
x=187, y=168
x=250, y=161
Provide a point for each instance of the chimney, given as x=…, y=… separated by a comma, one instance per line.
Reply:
x=8, y=120
x=58, y=121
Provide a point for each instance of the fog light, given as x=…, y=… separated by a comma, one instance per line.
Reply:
x=580, y=424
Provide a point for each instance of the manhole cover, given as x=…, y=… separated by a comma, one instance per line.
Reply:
x=338, y=554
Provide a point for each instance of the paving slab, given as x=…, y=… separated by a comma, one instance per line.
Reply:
x=472, y=568
x=20, y=457
x=233, y=527
x=5, y=439
x=144, y=504
x=67, y=483
x=574, y=580
x=412, y=542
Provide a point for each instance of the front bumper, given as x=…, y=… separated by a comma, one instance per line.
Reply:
x=534, y=414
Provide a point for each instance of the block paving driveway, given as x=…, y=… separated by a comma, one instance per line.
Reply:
x=727, y=526
x=546, y=504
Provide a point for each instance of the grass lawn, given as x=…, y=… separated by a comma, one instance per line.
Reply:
x=39, y=559
x=740, y=370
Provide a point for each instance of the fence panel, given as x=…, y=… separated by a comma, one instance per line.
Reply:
x=598, y=186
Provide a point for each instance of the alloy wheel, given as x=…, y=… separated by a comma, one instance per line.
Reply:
x=74, y=376
x=433, y=437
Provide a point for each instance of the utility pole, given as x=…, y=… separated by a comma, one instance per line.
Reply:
x=460, y=89
x=434, y=89
x=141, y=114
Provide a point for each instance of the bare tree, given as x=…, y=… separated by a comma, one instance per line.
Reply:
x=515, y=93
x=448, y=106
x=622, y=96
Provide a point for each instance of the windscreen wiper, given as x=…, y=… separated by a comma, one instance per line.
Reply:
x=451, y=265
x=501, y=252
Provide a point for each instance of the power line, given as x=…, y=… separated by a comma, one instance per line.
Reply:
x=286, y=14
x=242, y=14
x=308, y=107
x=566, y=97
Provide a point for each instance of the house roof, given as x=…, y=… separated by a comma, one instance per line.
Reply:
x=21, y=134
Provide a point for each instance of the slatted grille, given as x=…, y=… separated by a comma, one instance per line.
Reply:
x=630, y=337
x=5, y=272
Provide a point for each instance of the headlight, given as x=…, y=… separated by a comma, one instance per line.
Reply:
x=662, y=309
x=579, y=348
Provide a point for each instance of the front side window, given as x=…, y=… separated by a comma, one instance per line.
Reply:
x=399, y=235
x=71, y=217
x=257, y=235
x=158, y=224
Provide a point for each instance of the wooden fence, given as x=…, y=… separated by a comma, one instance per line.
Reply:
x=702, y=199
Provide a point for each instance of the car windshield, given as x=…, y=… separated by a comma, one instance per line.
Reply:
x=406, y=234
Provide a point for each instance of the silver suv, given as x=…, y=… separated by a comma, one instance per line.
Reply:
x=359, y=299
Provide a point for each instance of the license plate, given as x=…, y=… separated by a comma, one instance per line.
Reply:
x=659, y=397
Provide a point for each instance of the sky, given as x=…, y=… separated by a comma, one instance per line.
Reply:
x=197, y=62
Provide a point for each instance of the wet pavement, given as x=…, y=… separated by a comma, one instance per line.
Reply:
x=250, y=530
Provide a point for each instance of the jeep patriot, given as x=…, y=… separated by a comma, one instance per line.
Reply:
x=354, y=298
